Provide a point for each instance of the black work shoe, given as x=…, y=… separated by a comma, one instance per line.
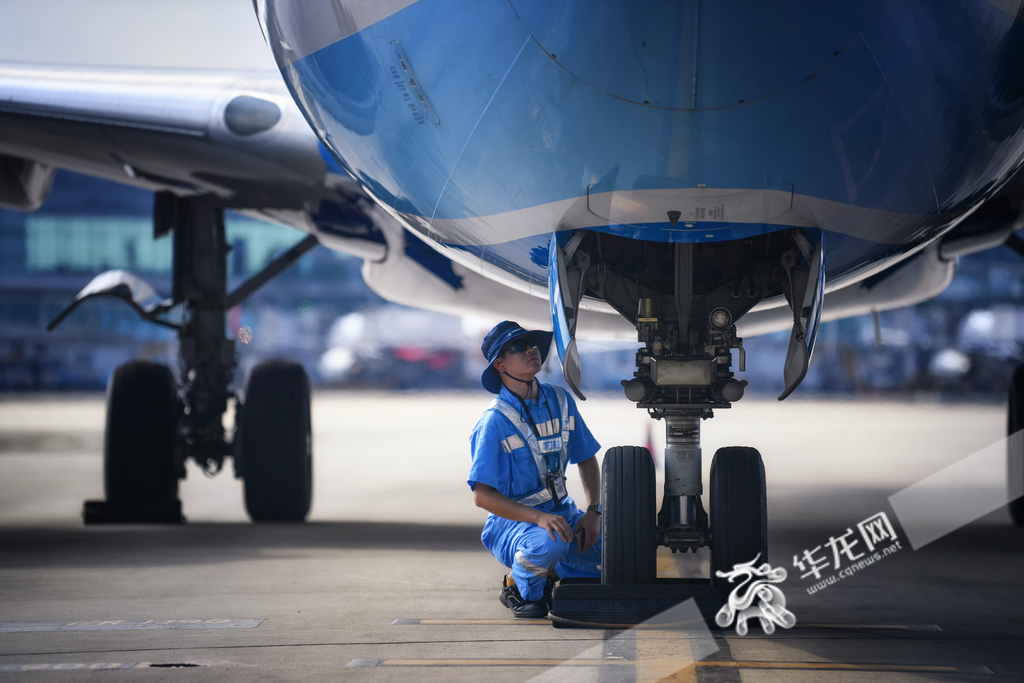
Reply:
x=523, y=609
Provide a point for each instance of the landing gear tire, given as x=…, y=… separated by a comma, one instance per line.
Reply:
x=739, y=511
x=139, y=473
x=276, y=452
x=1015, y=461
x=628, y=526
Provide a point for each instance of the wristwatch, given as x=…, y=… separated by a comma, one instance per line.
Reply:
x=594, y=508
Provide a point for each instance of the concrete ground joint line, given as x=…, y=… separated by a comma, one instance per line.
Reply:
x=683, y=663
x=270, y=645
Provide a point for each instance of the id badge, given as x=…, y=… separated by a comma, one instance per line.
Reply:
x=557, y=484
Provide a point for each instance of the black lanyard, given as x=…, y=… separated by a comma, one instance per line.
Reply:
x=533, y=425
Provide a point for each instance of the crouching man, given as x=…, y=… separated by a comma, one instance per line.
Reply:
x=521, y=447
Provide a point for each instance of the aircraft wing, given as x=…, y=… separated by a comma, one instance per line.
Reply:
x=238, y=137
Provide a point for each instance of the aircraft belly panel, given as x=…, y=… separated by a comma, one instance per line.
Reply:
x=533, y=136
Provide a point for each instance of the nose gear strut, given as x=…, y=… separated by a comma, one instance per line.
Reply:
x=683, y=374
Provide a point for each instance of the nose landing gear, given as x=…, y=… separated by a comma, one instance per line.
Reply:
x=739, y=510
x=628, y=551
x=681, y=384
x=683, y=300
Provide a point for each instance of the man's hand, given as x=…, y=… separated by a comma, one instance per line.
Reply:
x=554, y=524
x=590, y=524
x=492, y=500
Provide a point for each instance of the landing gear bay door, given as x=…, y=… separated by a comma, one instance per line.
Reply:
x=805, y=289
x=565, y=290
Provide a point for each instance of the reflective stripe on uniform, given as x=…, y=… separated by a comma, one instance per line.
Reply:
x=543, y=494
x=511, y=443
x=529, y=566
x=549, y=428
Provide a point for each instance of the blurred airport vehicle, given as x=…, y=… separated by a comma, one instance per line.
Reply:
x=396, y=347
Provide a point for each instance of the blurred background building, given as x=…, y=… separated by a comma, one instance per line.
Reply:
x=88, y=226
x=966, y=342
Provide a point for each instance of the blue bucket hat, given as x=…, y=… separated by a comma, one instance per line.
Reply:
x=500, y=336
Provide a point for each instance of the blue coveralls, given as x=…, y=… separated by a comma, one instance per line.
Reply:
x=502, y=459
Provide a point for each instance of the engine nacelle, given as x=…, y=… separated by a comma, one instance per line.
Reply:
x=919, y=278
x=24, y=184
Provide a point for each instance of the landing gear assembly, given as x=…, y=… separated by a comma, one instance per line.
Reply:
x=155, y=424
x=681, y=390
x=1015, y=453
x=683, y=374
x=140, y=472
x=1014, y=423
x=276, y=444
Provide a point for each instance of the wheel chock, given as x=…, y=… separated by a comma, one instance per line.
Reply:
x=103, y=512
x=587, y=603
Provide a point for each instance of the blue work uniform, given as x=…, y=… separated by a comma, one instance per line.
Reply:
x=504, y=460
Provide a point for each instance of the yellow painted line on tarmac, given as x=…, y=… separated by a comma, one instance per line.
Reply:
x=876, y=627
x=471, y=622
x=842, y=666
x=503, y=662
x=838, y=666
x=657, y=657
x=667, y=567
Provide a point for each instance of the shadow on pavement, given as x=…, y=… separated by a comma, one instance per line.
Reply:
x=157, y=545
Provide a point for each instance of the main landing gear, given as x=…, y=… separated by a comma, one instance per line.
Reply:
x=155, y=424
x=689, y=297
x=1015, y=448
x=1014, y=423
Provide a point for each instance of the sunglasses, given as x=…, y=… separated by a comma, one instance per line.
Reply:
x=520, y=347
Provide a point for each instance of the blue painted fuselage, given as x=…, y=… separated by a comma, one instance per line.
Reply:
x=489, y=124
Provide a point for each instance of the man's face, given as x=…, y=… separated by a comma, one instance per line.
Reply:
x=521, y=359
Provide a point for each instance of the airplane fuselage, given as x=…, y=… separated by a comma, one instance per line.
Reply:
x=486, y=126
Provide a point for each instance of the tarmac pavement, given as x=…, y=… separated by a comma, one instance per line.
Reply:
x=388, y=581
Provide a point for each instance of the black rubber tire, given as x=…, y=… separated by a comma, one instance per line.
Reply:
x=276, y=452
x=628, y=522
x=739, y=510
x=139, y=474
x=1014, y=423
